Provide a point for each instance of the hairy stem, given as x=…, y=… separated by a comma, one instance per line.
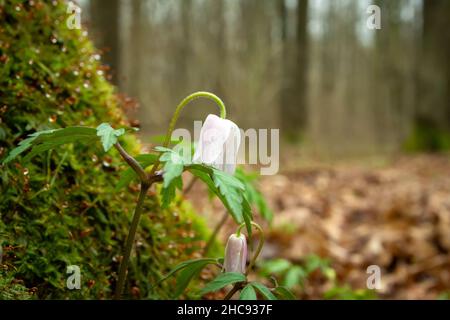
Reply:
x=130, y=240
x=132, y=162
x=146, y=182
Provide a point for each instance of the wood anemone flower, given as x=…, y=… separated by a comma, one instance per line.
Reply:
x=235, y=254
x=218, y=144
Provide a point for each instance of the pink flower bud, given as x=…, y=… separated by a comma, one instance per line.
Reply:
x=235, y=254
x=218, y=144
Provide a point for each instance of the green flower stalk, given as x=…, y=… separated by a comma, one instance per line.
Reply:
x=147, y=180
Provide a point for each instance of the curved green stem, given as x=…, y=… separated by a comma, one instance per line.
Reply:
x=180, y=107
x=185, y=102
x=260, y=244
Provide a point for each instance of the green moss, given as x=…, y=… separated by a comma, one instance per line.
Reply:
x=60, y=209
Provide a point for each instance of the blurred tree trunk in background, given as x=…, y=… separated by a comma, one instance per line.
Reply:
x=435, y=71
x=294, y=70
x=311, y=68
x=105, y=19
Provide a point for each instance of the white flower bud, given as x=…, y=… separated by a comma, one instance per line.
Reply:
x=235, y=254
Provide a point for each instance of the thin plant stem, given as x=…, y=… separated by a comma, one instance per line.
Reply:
x=236, y=288
x=133, y=163
x=146, y=183
x=130, y=241
x=260, y=244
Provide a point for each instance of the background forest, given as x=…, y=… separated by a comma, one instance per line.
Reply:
x=313, y=67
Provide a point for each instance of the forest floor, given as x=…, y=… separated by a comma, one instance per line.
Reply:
x=395, y=216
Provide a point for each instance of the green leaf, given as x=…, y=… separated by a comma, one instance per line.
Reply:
x=314, y=262
x=232, y=191
x=168, y=193
x=108, y=135
x=253, y=195
x=276, y=266
x=228, y=189
x=248, y=293
x=247, y=215
x=129, y=174
x=185, y=276
x=265, y=292
x=42, y=141
x=173, y=164
x=205, y=177
x=295, y=275
x=223, y=280
x=284, y=293
x=185, y=264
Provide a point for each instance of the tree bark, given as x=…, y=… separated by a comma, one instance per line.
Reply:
x=105, y=18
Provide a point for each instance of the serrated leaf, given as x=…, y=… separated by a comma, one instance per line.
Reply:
x=173, y=164
x=45, y=140
x=228, y=189
x=232, y=191
x=248, y=293
x=108, y=135
x=168, y=193
x=284, y=293
x=223, y=280
x=129, y=174
x=265, y=292
x=253, y=195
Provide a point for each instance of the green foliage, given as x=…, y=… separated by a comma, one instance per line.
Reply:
x=173, y=165
x=108, y=135
x=252, y=193
x=263, y=290
x=45, y=140
x=248, y=293
x=293, y=275
x=347, y=293
x=222, y=280
x=11, y=290
x=284, y=293
x=229, y=189
x=186, y=274
x=60, y=208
